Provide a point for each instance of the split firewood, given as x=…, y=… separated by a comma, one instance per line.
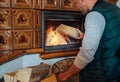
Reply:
x=68, y=30
x=33, y=74
x=10, y=77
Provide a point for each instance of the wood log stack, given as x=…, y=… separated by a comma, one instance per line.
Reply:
x=42, y=73
x=29, y=74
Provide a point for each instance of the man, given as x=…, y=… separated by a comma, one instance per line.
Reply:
x=99, y=57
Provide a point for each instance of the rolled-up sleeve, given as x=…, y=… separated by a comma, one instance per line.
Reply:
x=94, y=27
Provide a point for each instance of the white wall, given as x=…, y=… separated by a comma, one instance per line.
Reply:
x=30, y=60
x=11, y=66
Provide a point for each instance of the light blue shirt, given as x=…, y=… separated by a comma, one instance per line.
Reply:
x=94, y=27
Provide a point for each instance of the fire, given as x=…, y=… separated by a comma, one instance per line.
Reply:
x=54, y=38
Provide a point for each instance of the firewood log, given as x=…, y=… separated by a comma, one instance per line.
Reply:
x=62, y=65
x=10, y=77
x=68, y=30
x=33, y=74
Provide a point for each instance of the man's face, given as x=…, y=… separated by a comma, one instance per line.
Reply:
x=81, y=5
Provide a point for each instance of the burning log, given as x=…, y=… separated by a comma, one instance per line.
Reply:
x=56, y=38
x=60, y=36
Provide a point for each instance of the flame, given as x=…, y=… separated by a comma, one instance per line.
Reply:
x=54, y=38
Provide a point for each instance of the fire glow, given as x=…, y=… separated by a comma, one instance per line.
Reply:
x=54, y=37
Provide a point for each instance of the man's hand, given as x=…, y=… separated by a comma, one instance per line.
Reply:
x=63, y=76
x=67, y=74
x=81, y=34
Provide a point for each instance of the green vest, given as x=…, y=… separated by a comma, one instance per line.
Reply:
x=106, y=65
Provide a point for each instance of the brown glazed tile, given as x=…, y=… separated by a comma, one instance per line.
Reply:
x=5, y=19
x=5, y=40
x=67, y=5
x=37, y=19
x=37, y=39
x=4, y=3
x=22, y=18
x=22, y=39
x=50, y=4
x=37, y=4
x=21, y=3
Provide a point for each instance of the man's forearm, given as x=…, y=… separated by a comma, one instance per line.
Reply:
x=73, y=70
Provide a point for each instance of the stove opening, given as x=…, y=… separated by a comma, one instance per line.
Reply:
x=54, y=40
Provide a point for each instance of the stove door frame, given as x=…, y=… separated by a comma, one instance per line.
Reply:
x=73, y=49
